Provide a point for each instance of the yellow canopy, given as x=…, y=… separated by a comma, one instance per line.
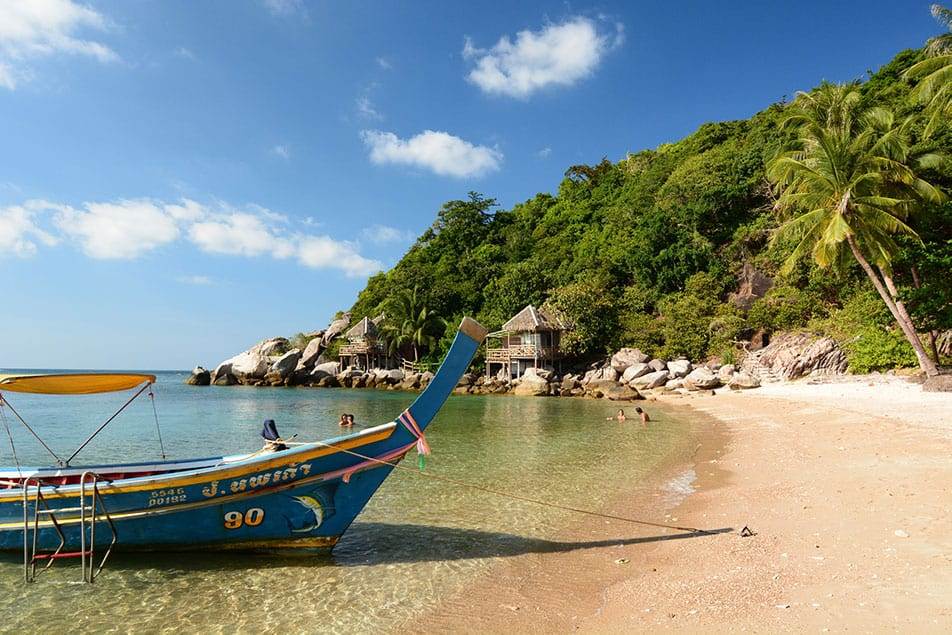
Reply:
x=73, y=384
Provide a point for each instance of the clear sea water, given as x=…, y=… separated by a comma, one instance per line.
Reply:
x=417, y=540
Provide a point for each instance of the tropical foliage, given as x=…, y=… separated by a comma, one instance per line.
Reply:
x=410, y=324
x=934, y=74
x=646, y=251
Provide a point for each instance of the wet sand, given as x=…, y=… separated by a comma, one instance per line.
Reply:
x=847, y=487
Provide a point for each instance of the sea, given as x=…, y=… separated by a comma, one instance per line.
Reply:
x=418, y=540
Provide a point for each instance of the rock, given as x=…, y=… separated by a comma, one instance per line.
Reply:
x=658, y=364
x=199, y=377
x=224, y=379
x=674, y=384
x=569, y=382
x=325, y=369
x=286, y=364
x=312, y=351
x=273, y=347
x=545, y=373
x=251, y=364
x=939, y=383
x=426, y=377
x=650, y=380
x=360, y=382
x=701, y=378
x=743, y=381
x=531, y=384
x=410, y=382
x=466, y=380
x=679, y=367
x=620, y=392
x=634, y=371
x=760, y=339
x=725, y=372
x=751, y=285
x=793, y=355
x=607, y=374
x=624, y=358
x=335, y=328
x=327, y=381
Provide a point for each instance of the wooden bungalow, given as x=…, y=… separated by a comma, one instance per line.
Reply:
x=364, y=348
x=530, y=339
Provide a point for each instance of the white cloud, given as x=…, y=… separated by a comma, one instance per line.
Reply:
x=127, y=229
x=199, y=281
x=323, y=252
x=184, y=52
x=19, y=233
x=544, y=152
x=383, y=234
x=285, y=8
x=282, y=150
x=366, y=109
x=37, y=28
x=122, y=230
x=440, y=152
x=239, y=234
x=384, y=63
x=557, y=55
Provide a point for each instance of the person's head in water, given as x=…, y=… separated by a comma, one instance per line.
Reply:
x=639, y=410
x=350, y=420
x=343, y=420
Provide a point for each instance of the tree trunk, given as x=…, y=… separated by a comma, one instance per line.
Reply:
x=917, y=283
x=902, y=318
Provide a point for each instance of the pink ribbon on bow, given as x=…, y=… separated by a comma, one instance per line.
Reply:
x=423, y=448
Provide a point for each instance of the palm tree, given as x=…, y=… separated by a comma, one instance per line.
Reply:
x=849, y=182
x=934, y=74
x=410, y=323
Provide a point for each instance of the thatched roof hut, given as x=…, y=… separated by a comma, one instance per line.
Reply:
x=365, y=329
x=533, y=320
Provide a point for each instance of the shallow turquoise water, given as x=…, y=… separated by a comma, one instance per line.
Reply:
x=417, y=540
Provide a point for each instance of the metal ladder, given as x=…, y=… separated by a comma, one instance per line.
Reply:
x=89, y=514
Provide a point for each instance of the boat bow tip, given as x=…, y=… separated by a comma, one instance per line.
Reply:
x=472, y=328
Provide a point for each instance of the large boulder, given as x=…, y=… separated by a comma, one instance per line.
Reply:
x=312, y=351
x=531, y=384
x=624, y=358
x=620, y=392
x=658, y=364
x=743, y=381
x=725, y=372
x=336, y=328
x=674, y=384
x=390, y=377
x=285, y=365
x=252, y=364
x=199, y=377
x=426, y=377
x=325, y=369
x=793, y=355
x=634, y=371
x=701, y=378
x=607, y=374
x=273, y=347
x=679, y=367
x=650, y=380
x=570, y=382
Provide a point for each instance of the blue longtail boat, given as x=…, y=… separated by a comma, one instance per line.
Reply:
x=305, y=495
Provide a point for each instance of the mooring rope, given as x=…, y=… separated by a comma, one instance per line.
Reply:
x=155, y=414
x=6, y=426
x=526, y=499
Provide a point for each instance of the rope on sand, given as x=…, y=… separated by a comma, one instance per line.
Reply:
x=517, y=497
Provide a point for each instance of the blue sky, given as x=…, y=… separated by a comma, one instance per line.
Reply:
x=181, y=179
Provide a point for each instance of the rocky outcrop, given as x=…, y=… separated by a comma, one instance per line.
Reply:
x=336, y=328
x=634, y=371
x=743, y=381
x=199, y=377
x=751, y=285
x=794, y=355
x=650, y=380
x=624, y=358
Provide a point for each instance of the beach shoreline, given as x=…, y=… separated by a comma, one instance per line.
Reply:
x=845, y=485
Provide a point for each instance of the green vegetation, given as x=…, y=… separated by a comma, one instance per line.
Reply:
x=645, y=252
x=409, y=324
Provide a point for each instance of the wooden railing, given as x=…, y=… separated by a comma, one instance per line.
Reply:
x=359, y=349
x=522, y=351
x=414, y=367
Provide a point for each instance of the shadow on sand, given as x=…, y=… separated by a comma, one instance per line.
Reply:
x=373, y=543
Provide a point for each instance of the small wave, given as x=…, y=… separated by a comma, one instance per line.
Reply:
x=679, y=488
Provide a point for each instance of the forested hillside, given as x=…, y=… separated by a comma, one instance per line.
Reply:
x=646, y=251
